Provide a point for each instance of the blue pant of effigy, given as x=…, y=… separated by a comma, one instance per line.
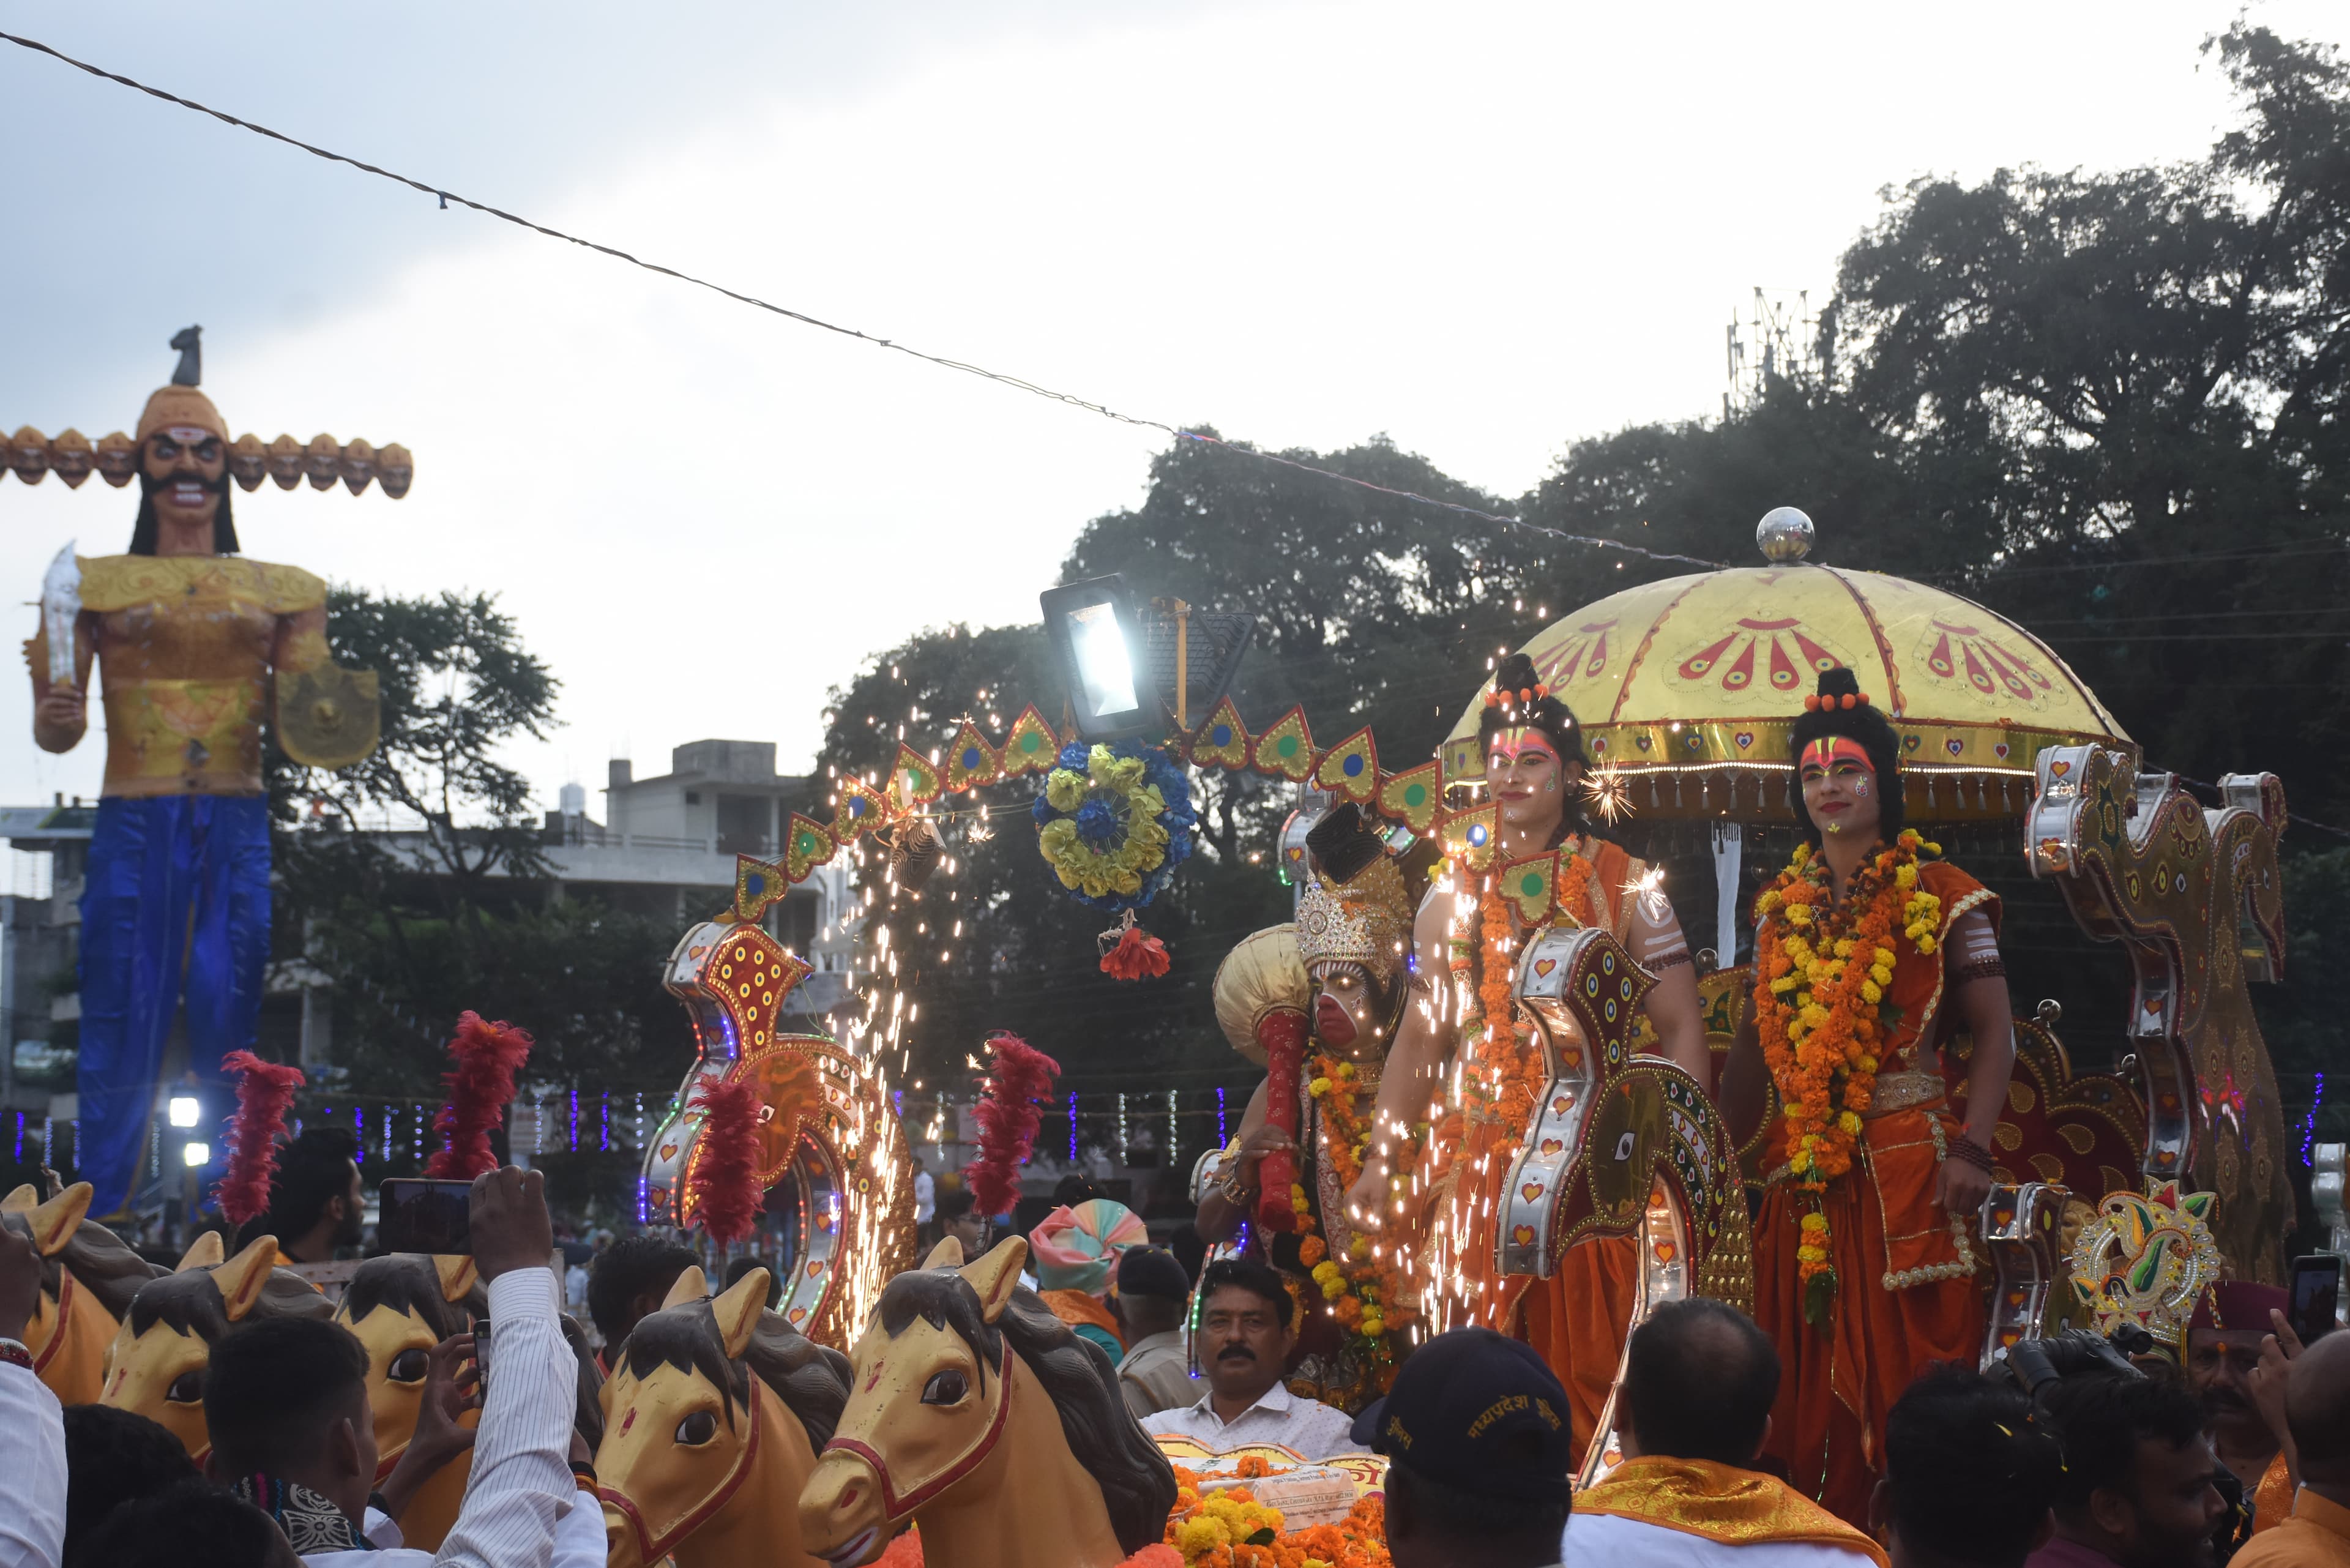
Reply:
x=177, y=898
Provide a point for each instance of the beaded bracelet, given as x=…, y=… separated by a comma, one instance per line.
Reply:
x=1974, y=1153
x=13, y=1354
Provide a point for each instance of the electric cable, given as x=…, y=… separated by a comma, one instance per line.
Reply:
x=1016, y=382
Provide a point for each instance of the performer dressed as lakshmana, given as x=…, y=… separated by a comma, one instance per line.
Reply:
x=1576, y=1319
x=1354, y=922
x=1865, y=1252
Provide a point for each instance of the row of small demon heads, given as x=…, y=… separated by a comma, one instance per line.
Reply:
x=74, y=457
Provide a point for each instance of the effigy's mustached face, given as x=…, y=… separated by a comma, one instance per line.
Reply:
x=188, y=470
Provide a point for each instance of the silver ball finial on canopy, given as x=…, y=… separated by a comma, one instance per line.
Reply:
x=1784, y=534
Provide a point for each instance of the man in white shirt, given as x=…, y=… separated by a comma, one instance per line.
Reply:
x=32, y=1429
x=1155, y=1374
x=926, y=1195
x=1245, y=1340
x=285, y=1402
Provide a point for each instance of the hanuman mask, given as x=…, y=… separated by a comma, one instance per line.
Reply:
x=1354, y=937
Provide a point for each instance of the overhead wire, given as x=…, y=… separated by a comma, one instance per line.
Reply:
x=1017, y=383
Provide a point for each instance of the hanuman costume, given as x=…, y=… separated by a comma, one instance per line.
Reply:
x=1351, y=936
x=1578, y=1318
x=1861, y=1278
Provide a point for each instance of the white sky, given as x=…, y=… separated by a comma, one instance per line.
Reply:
x=1484, y=229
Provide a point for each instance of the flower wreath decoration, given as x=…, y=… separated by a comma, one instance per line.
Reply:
x=1113, y=821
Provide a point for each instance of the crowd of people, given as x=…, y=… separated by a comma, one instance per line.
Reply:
x=2077, y=1456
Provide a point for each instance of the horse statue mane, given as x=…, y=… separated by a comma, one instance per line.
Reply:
x=155, y=1366
x=937, y=1404
x=89, y=1275
x=672, y=1474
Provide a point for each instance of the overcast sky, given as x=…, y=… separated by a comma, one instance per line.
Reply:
x=1484, y=229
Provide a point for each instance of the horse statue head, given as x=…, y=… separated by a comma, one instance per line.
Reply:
x=978, y=1414
x=712, y=1418
x=89, y=1275
x=156, y=1365
x=400, y=1306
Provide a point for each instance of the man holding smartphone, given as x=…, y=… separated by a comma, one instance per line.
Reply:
x=2223, y=1351
x=2317, y=1411
x=299, y=1442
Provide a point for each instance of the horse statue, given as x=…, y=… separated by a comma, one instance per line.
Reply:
x=1000, y=1459
x=89, y=1275
x=712, y=1418
x=156, y=1365
x=400, y=1306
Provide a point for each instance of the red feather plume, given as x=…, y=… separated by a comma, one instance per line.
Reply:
x=481, y=1085
x=722, y=1195
x=1008, y=1119
x=264, y=1093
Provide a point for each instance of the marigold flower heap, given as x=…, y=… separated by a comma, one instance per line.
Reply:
x=1822, y=1010
x=1228, y=1528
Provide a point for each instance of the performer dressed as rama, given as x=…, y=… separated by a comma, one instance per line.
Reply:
x=1866, y=1250
x=1462, y=1050
x=1318, y=1003
x=194, y=641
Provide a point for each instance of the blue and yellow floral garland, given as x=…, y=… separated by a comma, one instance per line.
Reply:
x=1113, y=821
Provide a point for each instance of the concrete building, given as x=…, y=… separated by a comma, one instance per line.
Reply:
x=665, y=850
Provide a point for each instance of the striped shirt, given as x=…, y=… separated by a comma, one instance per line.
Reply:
x=522, y=1508
x=32, y=1472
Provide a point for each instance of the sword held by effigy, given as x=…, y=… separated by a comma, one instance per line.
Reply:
x=60, y=608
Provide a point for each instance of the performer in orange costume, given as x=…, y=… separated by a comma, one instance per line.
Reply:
x=1865, y=1251
x=1578, y=1318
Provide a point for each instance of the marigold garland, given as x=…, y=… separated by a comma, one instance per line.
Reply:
x=1509, y=1072
x=1822, y=1010
x=1365, y=1290
x=1228, y=1528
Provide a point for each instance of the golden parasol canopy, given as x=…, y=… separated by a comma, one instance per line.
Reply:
x=1701, y=675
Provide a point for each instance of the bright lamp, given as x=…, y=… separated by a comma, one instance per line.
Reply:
x=197, y=1155
x=185, y=1110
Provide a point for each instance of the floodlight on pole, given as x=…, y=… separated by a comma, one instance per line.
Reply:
x=185, y=1110
x=1093, y=630
x=1131, y=668
x=197, y=1154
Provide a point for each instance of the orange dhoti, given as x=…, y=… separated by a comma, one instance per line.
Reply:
x=1576, y=1320
x=1906, y=1296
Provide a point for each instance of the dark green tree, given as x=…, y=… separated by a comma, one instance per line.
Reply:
x=450, y=908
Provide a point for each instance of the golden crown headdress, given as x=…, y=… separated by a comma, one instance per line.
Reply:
x=1366, y=920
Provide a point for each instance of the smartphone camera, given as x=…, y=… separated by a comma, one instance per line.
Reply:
x=419, y=1216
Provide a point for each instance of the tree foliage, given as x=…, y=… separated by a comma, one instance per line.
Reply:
x=2108, y=405
x=451, y=910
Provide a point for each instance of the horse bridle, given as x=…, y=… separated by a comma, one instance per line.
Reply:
x=57, y=1335
x=894, y=1506
x=653, y=1550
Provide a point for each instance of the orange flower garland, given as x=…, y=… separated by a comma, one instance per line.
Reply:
x=1512, y=1072
x=1365, y=1290
x=1821, y=1008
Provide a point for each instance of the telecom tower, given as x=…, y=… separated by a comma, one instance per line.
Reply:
x=1778, y=339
